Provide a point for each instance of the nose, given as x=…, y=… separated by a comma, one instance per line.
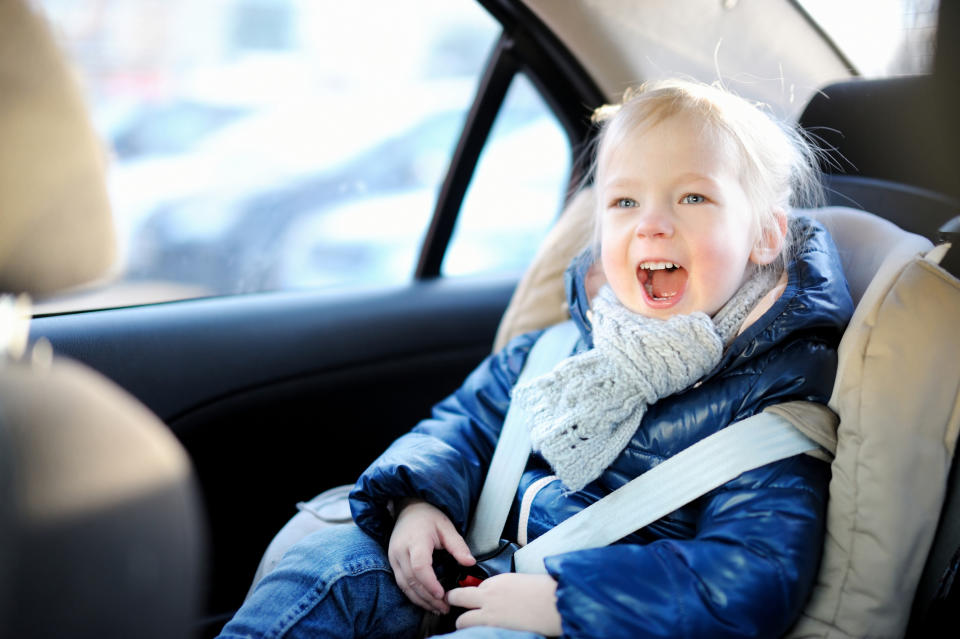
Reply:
x=653, y=222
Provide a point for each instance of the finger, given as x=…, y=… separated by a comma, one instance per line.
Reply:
x=421, y=566
x=453, y=543
x=411, y=588
x=416, y=593
x=469, y=597
x=470, y=618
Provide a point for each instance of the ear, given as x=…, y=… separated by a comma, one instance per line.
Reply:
x=771, y=240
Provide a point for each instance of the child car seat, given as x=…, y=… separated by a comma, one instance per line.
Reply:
x=897, y=386
x=99, y=516
x=896, y=395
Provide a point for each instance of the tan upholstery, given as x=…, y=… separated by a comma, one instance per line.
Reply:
x=899, y=412
x=816, y=421
x=539, y=300
x=897, y=397
x=870, y=247
x=55, y=224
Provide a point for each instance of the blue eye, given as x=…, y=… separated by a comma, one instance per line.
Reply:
x=692, y=198
x=626, y=203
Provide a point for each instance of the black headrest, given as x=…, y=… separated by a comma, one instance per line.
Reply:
x=101, y=529
x=902, y=129
x=890, y=129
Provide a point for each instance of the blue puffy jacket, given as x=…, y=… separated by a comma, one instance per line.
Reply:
x=738, y=562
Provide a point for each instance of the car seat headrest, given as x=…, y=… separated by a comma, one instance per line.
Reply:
x=845, y=118
x=56, y=229
x=866, y=243
x=101, y=519
x=539, y=299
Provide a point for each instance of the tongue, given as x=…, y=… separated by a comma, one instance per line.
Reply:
x=667, y=283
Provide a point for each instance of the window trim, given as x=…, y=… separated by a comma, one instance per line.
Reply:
x=844, y=59
x=526, y=45
x=496, y=79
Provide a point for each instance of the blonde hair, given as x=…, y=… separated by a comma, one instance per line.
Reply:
x=778, y=165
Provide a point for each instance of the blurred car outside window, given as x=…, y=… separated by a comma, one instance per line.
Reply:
x=261, y=145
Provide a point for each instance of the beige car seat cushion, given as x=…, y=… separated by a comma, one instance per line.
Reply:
x=898, y=404
x=539, y=299
x=55, y=225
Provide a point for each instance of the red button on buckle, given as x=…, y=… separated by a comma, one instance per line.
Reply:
x=469, y=581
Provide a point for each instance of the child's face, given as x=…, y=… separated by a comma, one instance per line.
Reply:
x=671, y=195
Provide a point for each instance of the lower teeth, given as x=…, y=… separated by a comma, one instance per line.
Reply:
x=654, y=297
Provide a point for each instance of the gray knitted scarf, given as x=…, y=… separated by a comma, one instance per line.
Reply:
x=586, y=410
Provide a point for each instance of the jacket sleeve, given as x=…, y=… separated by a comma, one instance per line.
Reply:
x=444, y=459
x=750, y=565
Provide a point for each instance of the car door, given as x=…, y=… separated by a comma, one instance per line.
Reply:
x=279, y=394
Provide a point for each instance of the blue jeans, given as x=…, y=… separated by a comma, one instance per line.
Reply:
x=336, y=583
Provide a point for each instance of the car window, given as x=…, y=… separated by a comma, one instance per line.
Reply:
x=880, y=37
x=517, y=189
x=286, y=144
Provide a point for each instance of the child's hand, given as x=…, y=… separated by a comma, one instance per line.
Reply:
x=420, y=529
x=510, y=600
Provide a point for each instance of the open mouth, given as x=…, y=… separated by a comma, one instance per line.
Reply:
x=662, y=280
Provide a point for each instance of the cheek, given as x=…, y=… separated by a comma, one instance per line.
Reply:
x=727, y=246
x=716, y=255
x=723, y=265
x=606, y=262
x=612, y=254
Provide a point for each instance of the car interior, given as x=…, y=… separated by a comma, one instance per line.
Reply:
x=149, y=454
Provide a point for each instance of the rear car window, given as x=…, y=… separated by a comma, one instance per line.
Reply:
x=879, y=38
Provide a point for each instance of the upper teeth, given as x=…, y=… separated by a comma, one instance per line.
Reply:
x=656, y=266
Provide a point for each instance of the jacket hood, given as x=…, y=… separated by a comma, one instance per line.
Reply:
x=816, y=293
x=574, y=284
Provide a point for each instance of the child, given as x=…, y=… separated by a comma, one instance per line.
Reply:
x=714, y=306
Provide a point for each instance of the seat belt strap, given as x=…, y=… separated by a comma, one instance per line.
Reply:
x=513, y=446
x=691, y=473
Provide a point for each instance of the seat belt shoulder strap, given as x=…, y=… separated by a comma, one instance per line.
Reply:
x=691, y=473
x=513, y=447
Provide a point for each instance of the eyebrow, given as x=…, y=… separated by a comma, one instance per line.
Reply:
x=619, y=183
x=696, y=177
x=622, y=182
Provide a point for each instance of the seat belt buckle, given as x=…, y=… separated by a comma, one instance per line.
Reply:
x=469, y=581
x=495, y=562
x=452, y=575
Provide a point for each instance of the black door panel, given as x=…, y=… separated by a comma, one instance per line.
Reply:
x=176, y=357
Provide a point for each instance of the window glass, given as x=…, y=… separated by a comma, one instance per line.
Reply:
x=880, y=37
x=271, y=144
x=517, y=189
